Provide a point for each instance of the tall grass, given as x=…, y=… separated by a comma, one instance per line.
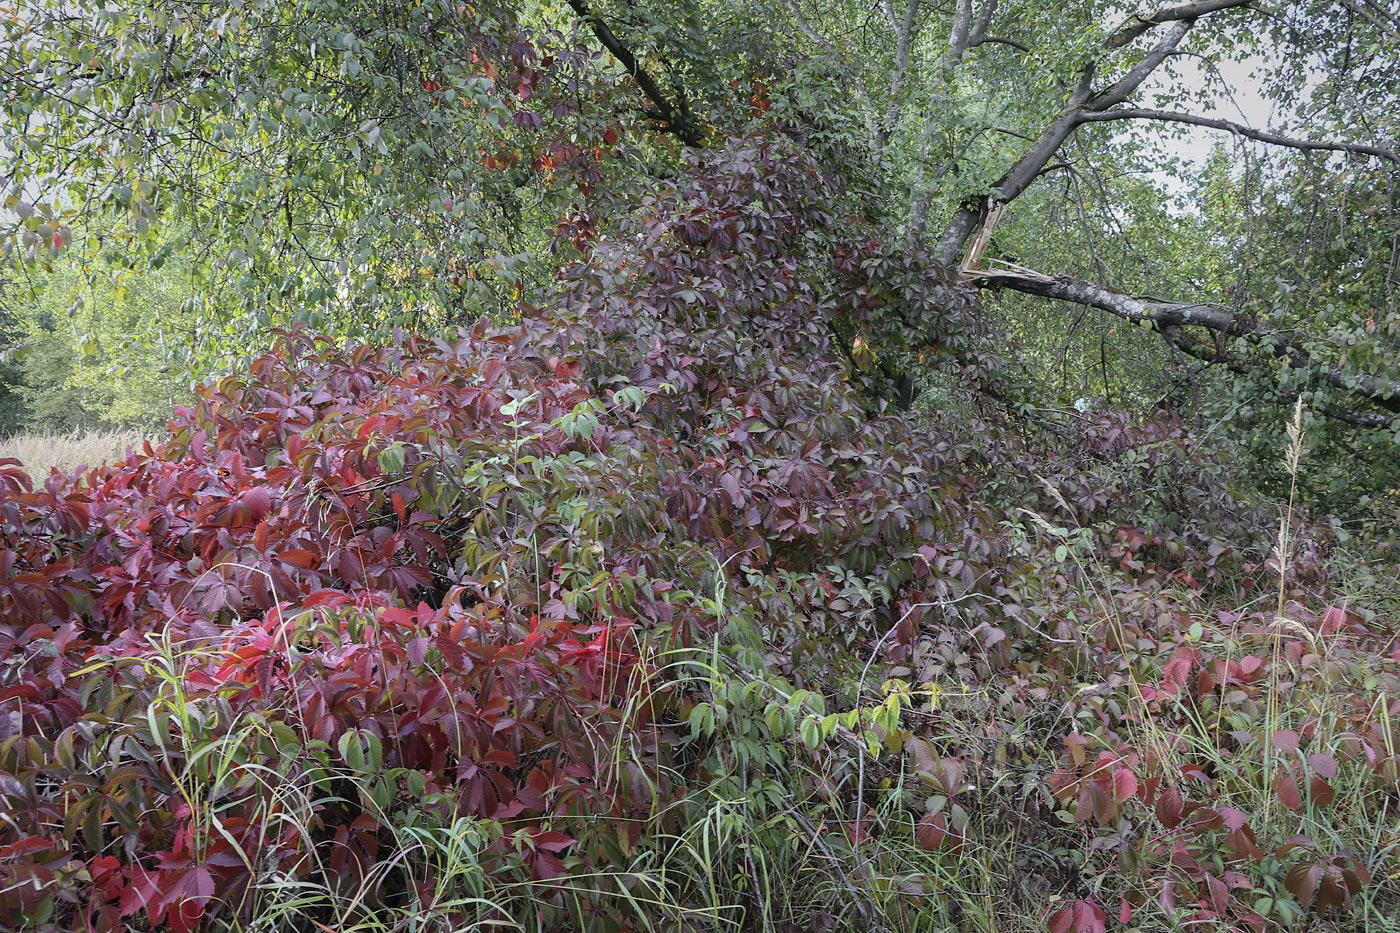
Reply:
x=42, y=451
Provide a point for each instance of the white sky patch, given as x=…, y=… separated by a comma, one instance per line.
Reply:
x=1234, y=89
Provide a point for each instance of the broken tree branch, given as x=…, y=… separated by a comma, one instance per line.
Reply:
x=1168, y=317
x=1079, y=105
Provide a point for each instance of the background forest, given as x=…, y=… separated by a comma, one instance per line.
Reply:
x=637, y=465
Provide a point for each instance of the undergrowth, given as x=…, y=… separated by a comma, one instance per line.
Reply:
x=647, y=614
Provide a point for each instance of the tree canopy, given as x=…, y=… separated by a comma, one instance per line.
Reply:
x=361, y=168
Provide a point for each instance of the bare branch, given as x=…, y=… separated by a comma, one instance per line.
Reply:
x=1388, y=14
x=1000, y=40
x=1240, y=129
x=904, y=39
x=1385, y=27
x=984, y=19
x=675, y=117
x=888, y=7
x=965, y=34
x=1207, y=353
x=962, y=22
x=1080, y=103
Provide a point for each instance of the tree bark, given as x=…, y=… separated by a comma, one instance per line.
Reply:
x=904, y=40
x=1081, y=103
x=966, y=34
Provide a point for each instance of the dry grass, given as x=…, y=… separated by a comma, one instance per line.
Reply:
x=41, y=451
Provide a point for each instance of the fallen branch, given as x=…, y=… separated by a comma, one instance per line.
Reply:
x=1168, y=317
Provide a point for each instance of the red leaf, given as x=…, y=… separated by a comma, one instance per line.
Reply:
x=1167, y=897
x=1332, y=620
x=141, y=893
x=1287, y=790
x=1094, y=803
x=1243, y=842
x=552, y=842
x=1082, y=916
x=1324, y=765
x=299, y=557
x=1321, y=792
x=1125, y=784
x=1179, y=667
x=1219, y=895
x=731, y=486
x=349, y=565
x=932, y=831
x=1294, y=842
x=1089, y=917
x=951, y=771
x=258, y=502
x=1061, y=920
x=1302, y=881
x=1233, y=818
x=1332, y=892
x=546, y=866
x=1169, y=807
x=197, y=886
